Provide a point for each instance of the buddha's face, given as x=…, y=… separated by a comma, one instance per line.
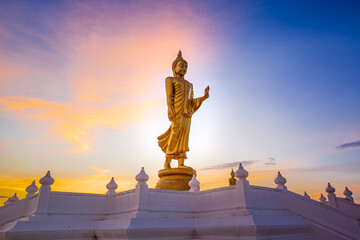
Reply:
x=181, y=68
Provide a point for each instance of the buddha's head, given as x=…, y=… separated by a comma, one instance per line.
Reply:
x=179, y=66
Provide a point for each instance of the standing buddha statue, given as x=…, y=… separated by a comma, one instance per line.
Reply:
x=181, y=106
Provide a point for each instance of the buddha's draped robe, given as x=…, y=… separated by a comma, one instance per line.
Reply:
x=175, y=141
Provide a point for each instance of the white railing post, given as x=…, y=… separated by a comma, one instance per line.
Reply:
x=44, y=194
x=331, y=195
x=141, y=190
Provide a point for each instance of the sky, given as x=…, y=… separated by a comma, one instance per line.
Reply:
x=82, y=92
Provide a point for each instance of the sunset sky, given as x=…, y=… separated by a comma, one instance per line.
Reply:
x=82, y=91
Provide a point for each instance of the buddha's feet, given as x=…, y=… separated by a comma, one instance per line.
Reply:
x=184, y=166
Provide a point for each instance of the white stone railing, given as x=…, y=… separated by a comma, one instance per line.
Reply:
x=217, y=199
x=323, y=215
x=124, y=203
x=19, y=209
x=67, y=203
x=265, y=197
x=348, y=206
x=159, y=199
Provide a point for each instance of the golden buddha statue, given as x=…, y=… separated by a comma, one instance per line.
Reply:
x=181, y=106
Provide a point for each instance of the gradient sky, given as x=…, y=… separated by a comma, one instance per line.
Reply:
x=82, y=91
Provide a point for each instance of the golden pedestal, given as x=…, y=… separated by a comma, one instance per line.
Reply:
x=175, y=178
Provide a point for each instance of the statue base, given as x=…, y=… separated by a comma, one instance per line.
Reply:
x=175, y=178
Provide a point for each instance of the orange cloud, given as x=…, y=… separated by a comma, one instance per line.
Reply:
x=11, y=185
x=95, y=183
x=73, y=122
